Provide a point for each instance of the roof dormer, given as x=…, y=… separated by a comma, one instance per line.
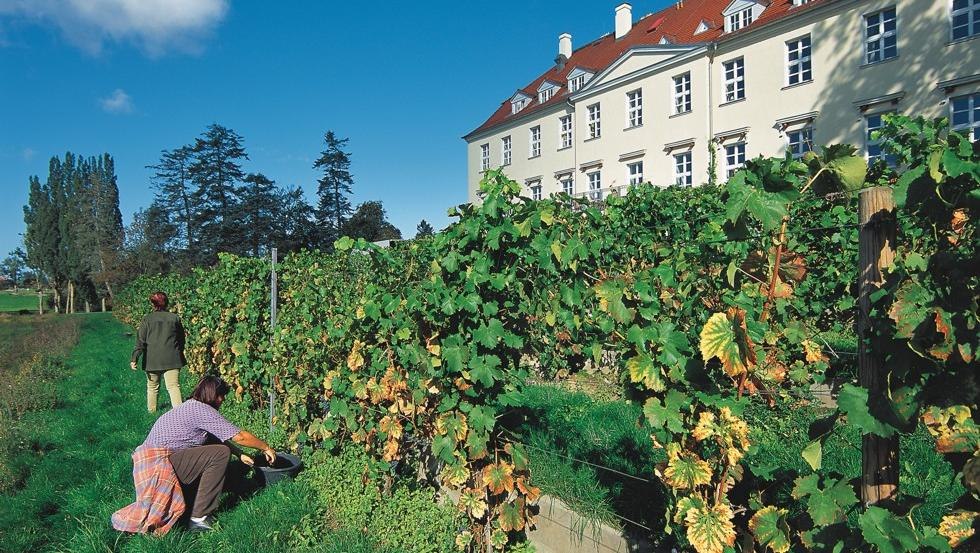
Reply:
x=703, y=26
x=741, y=13
x=519, y=101
x=578, y=77
x=547, y=90
x=664, y=40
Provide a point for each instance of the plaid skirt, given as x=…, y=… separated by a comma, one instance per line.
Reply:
x=159, y=500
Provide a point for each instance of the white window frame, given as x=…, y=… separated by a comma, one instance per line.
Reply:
x=536, y=190
x=546, y=95
x=972, y=124
x=534, y=139
x=595, y=184
x=518, y=105
x=739, y=20
x=595, y=121
x=682, y=93
x=485, y=157
x=880, y=36
x=972, y=13
x=733, y=72
x=800, y=68
x=576, y=83
x=870, y=142
x=634, y=108
x=634, y=173
x=506, y=145
x=565, y=124
x=567, y=184
x=683, y=169
x=734, y=157
x=799, y=141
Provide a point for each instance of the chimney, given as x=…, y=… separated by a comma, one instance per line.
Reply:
x=564, y=50
x=624, y=20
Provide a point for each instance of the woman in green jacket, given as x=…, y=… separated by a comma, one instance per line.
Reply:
x=160, y=344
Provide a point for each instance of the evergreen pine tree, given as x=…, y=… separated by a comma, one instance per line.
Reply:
x=423, y=229
x=295, y=226
x=370, y=223
x=258, y=212
x=333, y=189
x=215, y=171
x=172, y=180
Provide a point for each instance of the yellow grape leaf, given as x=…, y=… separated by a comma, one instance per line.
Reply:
x=643, y=369
x=953, y=428
x=390, y=426
x=390, y=452
x=958, y=527
x=710, y=529
x=498, y=478
x=770, y=528
x=687, y=471
x=813, y=351
x=463, y=540
x=684, y=505
x=455, y=475
x=726, y=337
x=354, y=359
x=472, y=502
x=530, y=492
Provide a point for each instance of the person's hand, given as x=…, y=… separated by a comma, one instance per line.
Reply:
x=270, y=455
x=247, y=460
x=132, y=365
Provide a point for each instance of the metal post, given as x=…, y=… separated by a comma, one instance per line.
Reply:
x=272, y=335
x=879, y=456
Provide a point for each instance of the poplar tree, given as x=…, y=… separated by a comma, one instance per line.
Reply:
x=333, y=189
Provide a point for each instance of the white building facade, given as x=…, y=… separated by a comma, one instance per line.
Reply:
x=712, y=83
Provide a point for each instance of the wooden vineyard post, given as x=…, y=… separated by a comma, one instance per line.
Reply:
x=879, y=456
x=40, y=302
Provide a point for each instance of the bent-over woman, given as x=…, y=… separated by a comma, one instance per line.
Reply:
x=160, y=345
x=176, y=454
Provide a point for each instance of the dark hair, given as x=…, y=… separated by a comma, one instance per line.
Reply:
x=209, y=389
x=159, y=300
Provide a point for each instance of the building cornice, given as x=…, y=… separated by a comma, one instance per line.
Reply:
x=517, y=121
x=688, y=52
x=865, y=104
x=951, y=84
x=686, y=143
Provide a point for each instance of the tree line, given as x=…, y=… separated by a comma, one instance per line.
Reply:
x=74, y=230
x=205, y=202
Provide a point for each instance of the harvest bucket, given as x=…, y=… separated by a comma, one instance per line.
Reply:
x=287, y=466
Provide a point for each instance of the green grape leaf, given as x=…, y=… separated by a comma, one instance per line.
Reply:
x=825, y=505
x=813, y=454
x=511, y=516
x=770, y=528
x=887, y=532
x=853, y=401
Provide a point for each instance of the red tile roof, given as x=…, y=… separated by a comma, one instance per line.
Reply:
x=676, y=22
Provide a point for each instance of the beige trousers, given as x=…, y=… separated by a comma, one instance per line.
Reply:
x=153, y=388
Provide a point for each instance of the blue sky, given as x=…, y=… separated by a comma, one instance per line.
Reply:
x=404, y=81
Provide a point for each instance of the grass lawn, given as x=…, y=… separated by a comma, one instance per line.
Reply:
x=10, y=301
x=80, y=468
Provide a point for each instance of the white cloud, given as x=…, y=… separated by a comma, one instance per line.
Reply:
x=117, y=102
x=156, y=26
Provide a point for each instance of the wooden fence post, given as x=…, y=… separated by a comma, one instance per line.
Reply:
x=879, y=456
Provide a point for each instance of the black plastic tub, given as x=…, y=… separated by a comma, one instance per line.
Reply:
x=287, y=466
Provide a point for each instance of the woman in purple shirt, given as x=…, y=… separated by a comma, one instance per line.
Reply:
x=186, y=430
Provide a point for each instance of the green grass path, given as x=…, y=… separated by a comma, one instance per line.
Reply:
x=17, y=302
x=82, y=472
